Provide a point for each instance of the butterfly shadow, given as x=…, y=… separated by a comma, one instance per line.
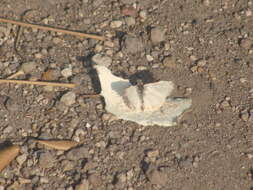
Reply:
x=88, y=64
x=5, y=144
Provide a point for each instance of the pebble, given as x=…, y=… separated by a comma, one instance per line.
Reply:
x=153, y=153
x=141, y=68
x=51, y=75
x=128, y=11
x=206, y=2
x=157, y=35
x=28, y=67
x=109, y=44
x=46, y=160
x=67, y=72
x=8, y=129
x=122, y=177
x=201, y=63
x=21, y=159
x=56, y=40
x=130, y=174
x=67, y=165
x=169, y=62
x=149, y=58
x=130, y=21
x=98, y=48
x=102, y=60
x=95, y=180
x=246, y=43
x=248, y=12
x=133, y=45
x=157, y=177
x=69, y=98
x=143, y=15
x=84, y=185
x=225, y=104
x=244, y=115
x=116, y=24
x=78, y=153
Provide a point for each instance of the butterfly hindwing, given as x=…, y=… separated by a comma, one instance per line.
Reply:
x=155, y=94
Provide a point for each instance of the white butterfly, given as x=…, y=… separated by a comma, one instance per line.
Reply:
x=149, y=107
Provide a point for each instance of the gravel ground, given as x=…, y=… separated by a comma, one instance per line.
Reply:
x=205, y=47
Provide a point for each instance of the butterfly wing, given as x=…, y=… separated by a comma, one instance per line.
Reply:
x=155, y=94
x=132, y=98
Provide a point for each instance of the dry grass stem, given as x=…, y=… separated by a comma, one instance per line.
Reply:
x=38, y=83
x=15, y=75
x=7, y=155
x=58, y=144
x=49, y=28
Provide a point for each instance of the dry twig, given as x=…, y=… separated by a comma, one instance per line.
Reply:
x=38, y=83
x=49, y=28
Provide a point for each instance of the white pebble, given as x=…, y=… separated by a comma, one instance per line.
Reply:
x=116, y=24
x=67, y=72
x=69, y=98
x=149, y=58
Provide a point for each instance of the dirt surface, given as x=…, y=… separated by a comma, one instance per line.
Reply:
x=204, y=47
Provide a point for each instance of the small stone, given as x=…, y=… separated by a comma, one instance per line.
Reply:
x=102, y=60
x=243, y=80
x=133, y=45
x=141, y=68
x=21, y=159
x=157, y=35
x=122, y=177
x=248, y=12
x=46, y=160
x=101, y=144
x=153, y=153
x=128, y=11
x=225, y=104
x=67, y=72
x=143, y=15
x=250, y=155
x=246, y=43
x=201, y=63
x=51, y=75
x=8, y=129
x=95, y=180
x=116, y=24
x=206, y=2
x=130, y=21
x=69, y=98
x=244, y=115
x=28, y=67
x=149, y=58
x=157, y=177
x=67, y=165
x=98, y=48
x=109, y=52
x=57, y=40
x=188, y=91
x=167, y=46
x=38, y=55
x=169, y=62
x=44, y=180
x=77, y=153
x=130, y=174
x=109, y=44
x=84, y=185
x=194, y=68
x=193, y=58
